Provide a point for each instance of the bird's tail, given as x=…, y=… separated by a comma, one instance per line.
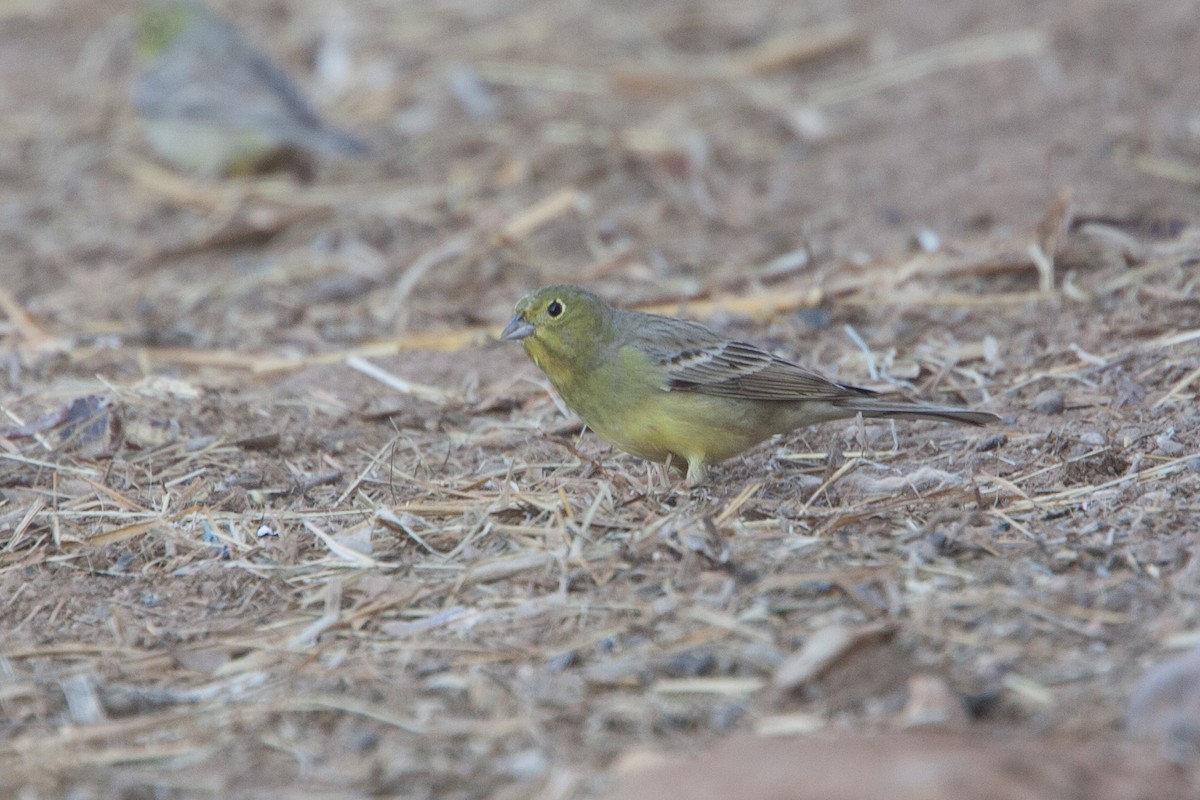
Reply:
x=898, y=409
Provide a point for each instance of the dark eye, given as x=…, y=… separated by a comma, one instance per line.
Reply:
x=555, y=308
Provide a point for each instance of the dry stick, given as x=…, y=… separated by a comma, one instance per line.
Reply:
x=1012, y=489
x=347, y=554
x=995, y=512
x=1159, y=343
x=832, y=479
x=546, y=77
x=450, y=249
x=330, y=618
x=440, y=341
x=551, y=207
x=1179, y=387
x=1051, y=232
x=505, y=566
x=389, y=518
x=813, y=455
x=178, y=189
x=1157, y=166
x=955, y=55
x=726, y=622
x=758, y=306
x=1070, y=496
x=516, y=229
x=420, y=391
x=735, y=505
x=280, y=192
x=191, y=357
x=1017, y=478
x=1140, y=274
x=291, y=205
x=780, y=52
x=38, y=436
x=115, y=496
x=362, y=475
x=719, y=686
x=331, y=702
x=23, y=321
x=138, y=528
x=796, y=46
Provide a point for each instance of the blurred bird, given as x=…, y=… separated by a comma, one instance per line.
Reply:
x=213, y=104
x=673, y=391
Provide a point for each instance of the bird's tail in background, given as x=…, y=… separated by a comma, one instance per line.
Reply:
x=331, y=140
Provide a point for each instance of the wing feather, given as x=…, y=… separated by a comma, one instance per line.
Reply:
x=694, y=359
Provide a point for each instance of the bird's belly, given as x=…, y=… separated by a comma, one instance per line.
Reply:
x=688, y=425
x=206, y=146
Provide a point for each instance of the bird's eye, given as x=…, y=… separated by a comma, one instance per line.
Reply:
x=555, y=309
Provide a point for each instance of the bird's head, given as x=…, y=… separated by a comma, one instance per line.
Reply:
x=162, y=23
x=559, y=326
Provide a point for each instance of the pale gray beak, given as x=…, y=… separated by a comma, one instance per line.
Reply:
x=519, y=328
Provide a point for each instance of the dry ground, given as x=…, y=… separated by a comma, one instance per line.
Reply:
x=235, y=562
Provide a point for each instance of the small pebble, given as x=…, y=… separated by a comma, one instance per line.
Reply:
x=992, y=443
x=927, y=240
x=690, y=664
x=527, y=764
x=1167, y=444
x=471, y=92
x=809, y=123
x=560, y=662
x=1051, y=401
x=932, y=703
x=815, y=319
x=726, y=716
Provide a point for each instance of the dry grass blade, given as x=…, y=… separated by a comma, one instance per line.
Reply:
x=349, y=555
x=33, y=333
x=341, y=703
x=793, y=47
x=1179, y=388
x=136, y=529
x=430, y=394
x=1051, y=232
x=959, y=54
x=542, y=212
x=498, y=569
x=449, y=250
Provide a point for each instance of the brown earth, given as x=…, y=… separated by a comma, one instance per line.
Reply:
x=234, y=562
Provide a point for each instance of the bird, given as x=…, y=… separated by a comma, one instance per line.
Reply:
x=674, y=391
x=213, y=104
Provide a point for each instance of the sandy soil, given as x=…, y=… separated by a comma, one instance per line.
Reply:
x=237, y=562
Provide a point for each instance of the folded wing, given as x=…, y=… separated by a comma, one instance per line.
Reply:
x=694, y=359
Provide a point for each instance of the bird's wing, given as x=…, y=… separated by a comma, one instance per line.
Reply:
x=211, y=73
x=694, y=359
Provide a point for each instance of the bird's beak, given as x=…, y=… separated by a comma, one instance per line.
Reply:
x=519, y=328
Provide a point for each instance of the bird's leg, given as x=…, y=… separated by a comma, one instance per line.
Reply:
x=696, y=472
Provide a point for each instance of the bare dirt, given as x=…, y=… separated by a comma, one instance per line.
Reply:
x=237, y=562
